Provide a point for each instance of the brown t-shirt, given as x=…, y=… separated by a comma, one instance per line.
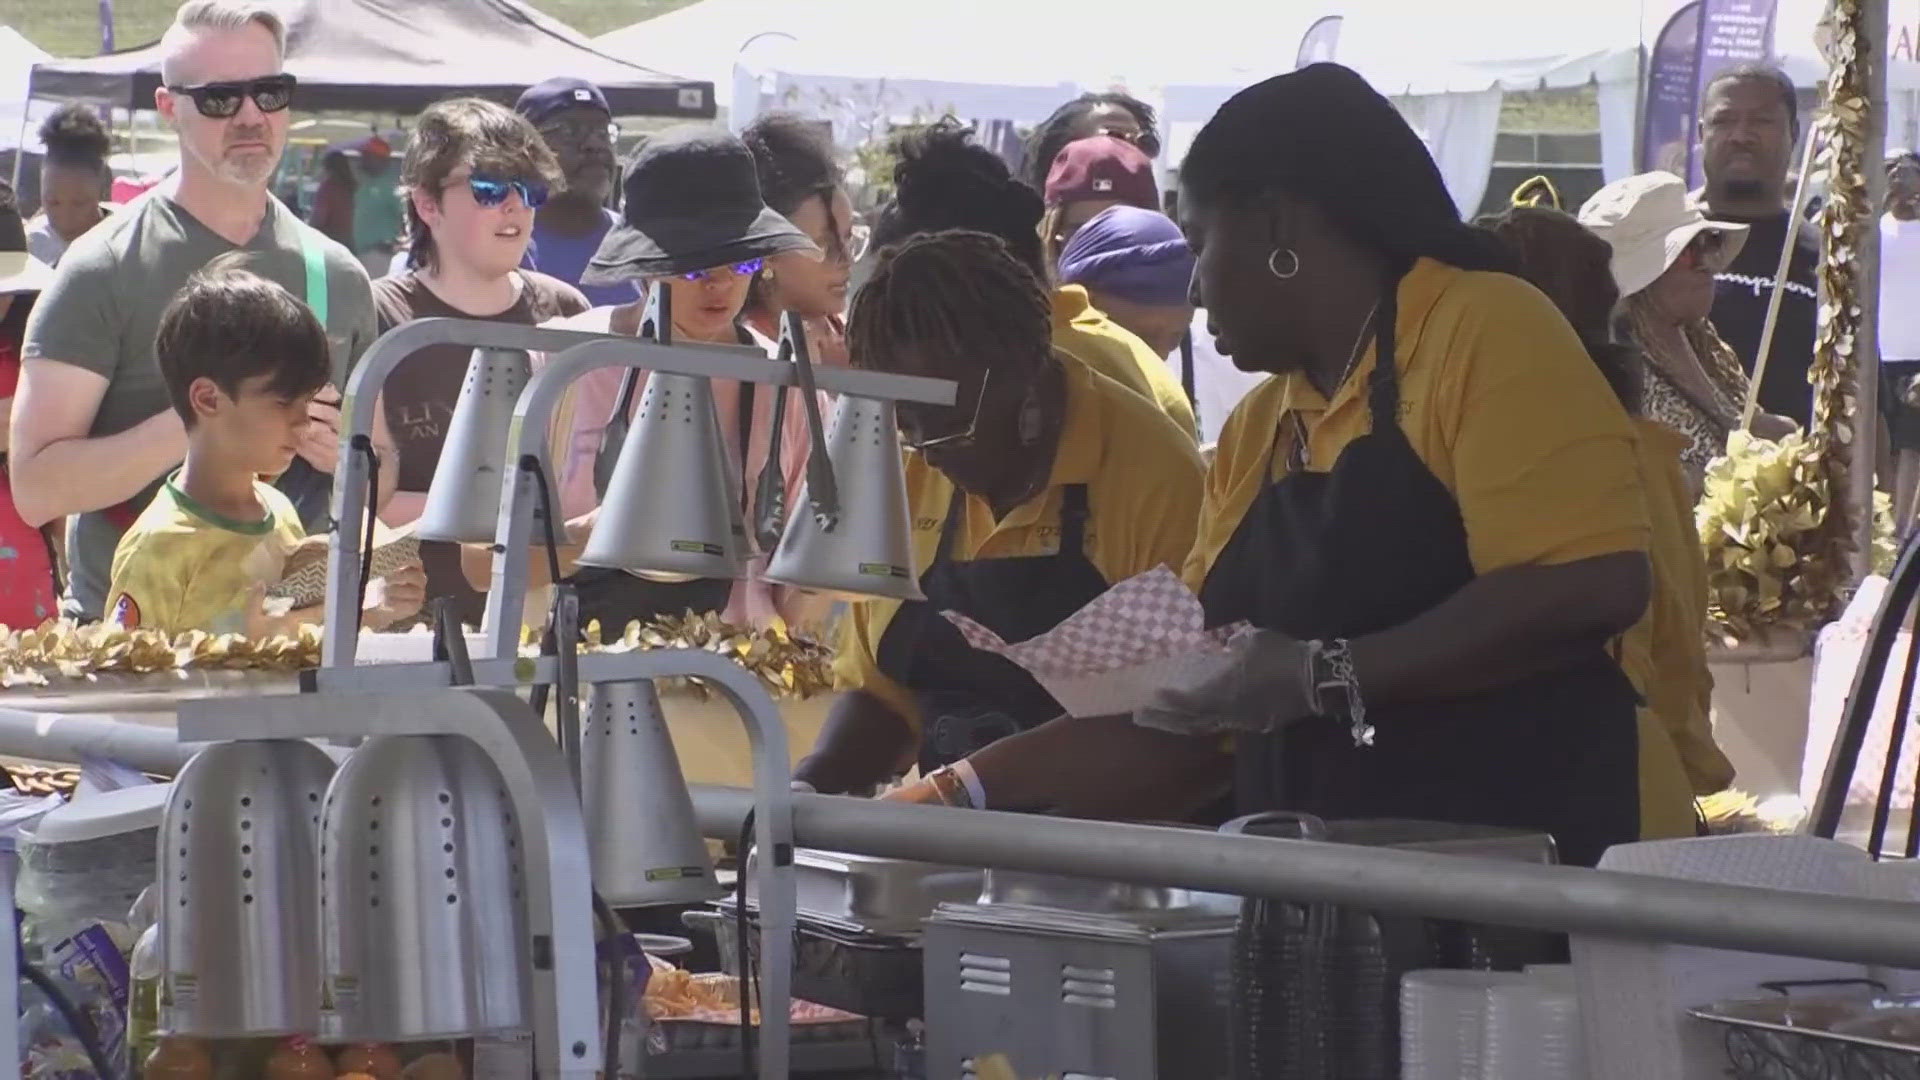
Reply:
x=421, y=392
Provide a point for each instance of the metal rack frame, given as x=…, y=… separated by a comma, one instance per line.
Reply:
x=576, y=354
x=1562, y=898
x=357, y=702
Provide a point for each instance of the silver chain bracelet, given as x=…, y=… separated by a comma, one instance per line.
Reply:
x=1336, y=659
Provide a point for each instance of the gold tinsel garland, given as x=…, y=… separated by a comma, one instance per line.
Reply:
x=1844, y=221
x=1775, y=520
x=788, y=666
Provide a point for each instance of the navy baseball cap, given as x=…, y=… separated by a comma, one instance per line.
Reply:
x=542, y=100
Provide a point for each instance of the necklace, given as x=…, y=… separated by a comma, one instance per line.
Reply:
x=1359, y=343
x=1297, y=456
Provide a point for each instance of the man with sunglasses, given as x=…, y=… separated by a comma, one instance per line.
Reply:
x=573, y=116
x=474, y=173
x=93, y=433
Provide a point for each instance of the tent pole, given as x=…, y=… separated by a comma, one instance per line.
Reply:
x=1873, y=57
x=20, y=146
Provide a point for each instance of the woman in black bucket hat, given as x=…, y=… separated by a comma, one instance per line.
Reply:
x=694, y=222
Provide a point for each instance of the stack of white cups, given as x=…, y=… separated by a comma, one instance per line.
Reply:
x=1490, y=1025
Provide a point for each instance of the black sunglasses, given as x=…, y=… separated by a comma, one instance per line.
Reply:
x=221, y=100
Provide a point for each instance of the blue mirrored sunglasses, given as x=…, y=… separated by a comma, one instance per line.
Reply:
x=492, y=191
x=744, y=269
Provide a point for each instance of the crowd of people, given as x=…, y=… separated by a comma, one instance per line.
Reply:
x=1444, y=472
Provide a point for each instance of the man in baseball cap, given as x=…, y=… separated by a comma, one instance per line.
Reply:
x=572, y=115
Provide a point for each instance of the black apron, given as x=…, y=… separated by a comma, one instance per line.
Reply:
x=969, y=698
x=1367, y=547
x=617, y=598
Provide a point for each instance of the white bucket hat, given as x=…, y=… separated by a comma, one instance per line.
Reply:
x=1649, y=222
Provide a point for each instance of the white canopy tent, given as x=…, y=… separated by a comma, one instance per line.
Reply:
x=863, y=62
x=1448, y=66
x=17, y=114
x=1471, y=52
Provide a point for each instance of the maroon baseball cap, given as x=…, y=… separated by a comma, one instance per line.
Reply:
x=1102, y=167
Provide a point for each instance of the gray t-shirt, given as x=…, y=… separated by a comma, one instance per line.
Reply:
x=102, y=312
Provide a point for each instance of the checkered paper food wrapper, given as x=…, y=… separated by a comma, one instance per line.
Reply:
x=1110, y=656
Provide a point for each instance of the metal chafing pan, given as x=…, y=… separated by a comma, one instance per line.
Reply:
x=878, y=896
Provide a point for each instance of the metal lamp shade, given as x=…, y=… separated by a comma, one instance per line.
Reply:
x=869, y=550
x=239, y=864
x=666, y=514
x=463, y=503
x=640, y=824
x=422, y=920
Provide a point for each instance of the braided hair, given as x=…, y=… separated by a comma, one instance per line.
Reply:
x=944, y=180
x=795, y=162
x=1572, y=265
x=75, y=138
x=1056, y=131
x=964, y=293
x=1325, y=137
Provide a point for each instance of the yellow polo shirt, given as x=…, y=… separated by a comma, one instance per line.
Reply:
x=1497, y=397
x=1143, y=480
x=1665, y=654
x=1084, y=332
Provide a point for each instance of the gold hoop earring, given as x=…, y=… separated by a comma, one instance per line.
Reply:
x=1273, y=263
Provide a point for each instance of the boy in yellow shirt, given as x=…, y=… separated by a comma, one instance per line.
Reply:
x=242, y=359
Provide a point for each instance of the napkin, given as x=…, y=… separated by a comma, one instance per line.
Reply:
x=1111, y=656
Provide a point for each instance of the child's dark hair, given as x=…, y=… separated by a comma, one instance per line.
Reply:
x=1056, y=131
x=76, y=139
x=959, y=291
x=229, y=325
x=944, y=180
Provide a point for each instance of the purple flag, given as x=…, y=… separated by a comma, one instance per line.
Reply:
x=1732, y=32
x=1320, y=42
x=106, y=26
x=1666, y=131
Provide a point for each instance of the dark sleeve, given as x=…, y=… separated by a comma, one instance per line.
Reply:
x=390, y=305
x=558, y=300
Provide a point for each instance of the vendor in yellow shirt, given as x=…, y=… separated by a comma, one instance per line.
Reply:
x=944, y=180
x=1042, y=486
x=1431, y=517
x=1665, y=652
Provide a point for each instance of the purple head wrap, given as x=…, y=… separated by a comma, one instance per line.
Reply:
x=1137, y=255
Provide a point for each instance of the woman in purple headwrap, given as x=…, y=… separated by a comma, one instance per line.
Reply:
x=1137, y=268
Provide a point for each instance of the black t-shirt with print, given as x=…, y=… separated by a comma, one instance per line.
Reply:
x=1740, y=310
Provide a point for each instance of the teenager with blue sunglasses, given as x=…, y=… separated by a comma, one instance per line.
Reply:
x=474, y=174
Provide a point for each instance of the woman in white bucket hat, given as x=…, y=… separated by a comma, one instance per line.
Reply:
x=1665, y=253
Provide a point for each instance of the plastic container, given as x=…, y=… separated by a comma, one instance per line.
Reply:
x=178, y=1058
x=369, y=1059
x=88, y=862
x=143, y=1003
x=298, y=1059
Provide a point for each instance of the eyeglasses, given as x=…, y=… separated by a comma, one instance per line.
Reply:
x=744, y=269
x=221, y=100
x=960, y=438
x=858, y=238
x=492, y=191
